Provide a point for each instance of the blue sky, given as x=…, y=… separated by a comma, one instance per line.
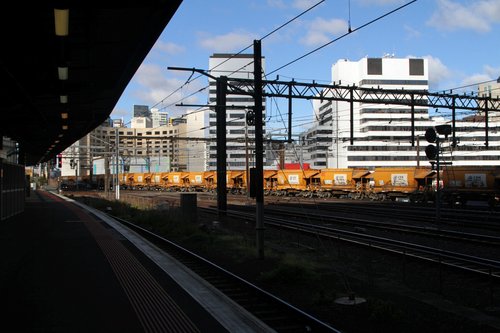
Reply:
x=461, y=39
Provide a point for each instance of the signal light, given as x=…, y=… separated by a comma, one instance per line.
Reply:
x=431, y=152
x=430, y=135
x=443, y=129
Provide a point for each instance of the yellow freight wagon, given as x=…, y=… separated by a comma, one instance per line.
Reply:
x=339, y=182
x=463, y=184
x=298, y=182
x=400, y=182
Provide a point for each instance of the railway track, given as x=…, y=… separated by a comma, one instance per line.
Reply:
x=275, y=312
x=466, y=218
x=411, y=229
x=479, y=266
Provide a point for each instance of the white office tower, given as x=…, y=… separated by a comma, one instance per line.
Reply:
x=239, y=137
x=158, y=118
x=381, y=133
x=197, y=146
x=140, y=122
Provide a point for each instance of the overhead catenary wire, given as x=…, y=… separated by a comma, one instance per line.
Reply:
x=350, y=31
x=190, y=79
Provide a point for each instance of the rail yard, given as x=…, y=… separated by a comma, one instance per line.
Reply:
x=398, y=251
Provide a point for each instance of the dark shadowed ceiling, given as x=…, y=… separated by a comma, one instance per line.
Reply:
x=106, y=43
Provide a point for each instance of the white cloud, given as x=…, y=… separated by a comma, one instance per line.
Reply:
x=438, y=72
x=276, y=3
x=298, y=4
x=411, y=32
x=476, y=15
x=475, y=79
x=169, y=48
x=443, y=78
x=120, y=113
x=489, y=73
x=492, y=72
x=382, y=2
x=304, y=4
x=230, y=42
x=154, y=87
x=322, y=31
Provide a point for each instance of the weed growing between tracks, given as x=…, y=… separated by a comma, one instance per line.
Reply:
x=299, y=272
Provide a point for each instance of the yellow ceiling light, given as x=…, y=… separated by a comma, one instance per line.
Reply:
x=64, y=127
x=63, y=99
x=61, y=135
x=64, y=115
x=61, y=19
x=62, y=72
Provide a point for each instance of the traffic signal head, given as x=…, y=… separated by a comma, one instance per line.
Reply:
x=443, y=129
x=430, y=135
x=431, y=152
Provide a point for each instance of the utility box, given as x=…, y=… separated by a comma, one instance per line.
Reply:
x=189, y=207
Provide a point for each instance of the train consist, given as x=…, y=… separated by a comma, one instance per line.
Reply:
x=457, y=184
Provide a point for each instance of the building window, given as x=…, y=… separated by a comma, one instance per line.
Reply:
x=374, y=66
x=416, y=66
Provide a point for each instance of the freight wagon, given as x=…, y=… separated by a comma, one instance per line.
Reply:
x=396, y=183
x=458, y=184
x=463, y=184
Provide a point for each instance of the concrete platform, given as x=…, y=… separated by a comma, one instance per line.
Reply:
x=63, y=269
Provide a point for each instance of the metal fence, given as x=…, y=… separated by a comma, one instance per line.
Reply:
x=12, y=189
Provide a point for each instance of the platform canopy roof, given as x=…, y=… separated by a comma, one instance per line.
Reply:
x=65, y=65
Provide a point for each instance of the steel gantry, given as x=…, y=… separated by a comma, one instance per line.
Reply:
x=421, y=98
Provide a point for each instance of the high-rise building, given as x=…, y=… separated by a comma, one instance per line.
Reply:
x=141, y=111
x=140, y=122
x=240, y=136
x=158, y=118
x=196, y=146
x=118, y=122
x=142, y=117
x=382, y=132
x=158, y=149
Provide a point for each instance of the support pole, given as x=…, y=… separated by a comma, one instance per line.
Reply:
x=290, y=104
x=351, y=106
x=106, y=170
x=438, y=178
x=486, y=122
x=412, y=120
x=220, y=110
x=259, y=149
x=453, y=118
x=117, y=158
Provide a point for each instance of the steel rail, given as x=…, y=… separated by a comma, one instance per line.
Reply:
x=311, y=324
x=478, y=265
